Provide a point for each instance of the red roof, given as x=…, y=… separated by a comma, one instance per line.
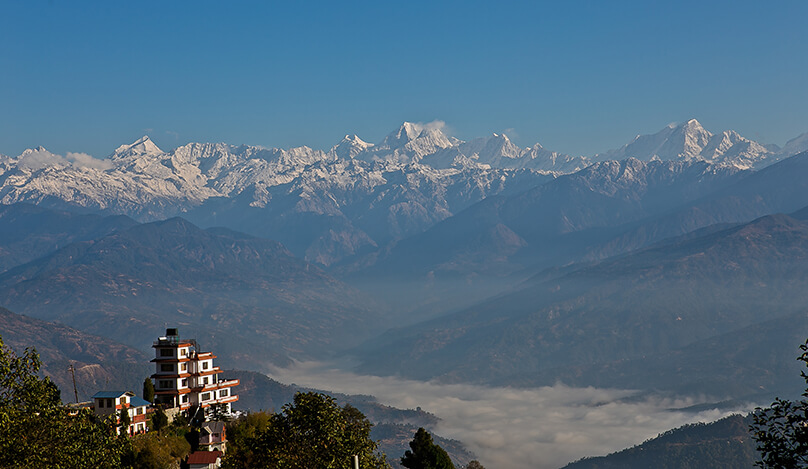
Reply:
x=204, y=457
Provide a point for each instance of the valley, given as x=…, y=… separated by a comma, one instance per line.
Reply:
x=669, y=270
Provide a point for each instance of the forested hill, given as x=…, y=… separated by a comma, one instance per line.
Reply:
x=718, y=445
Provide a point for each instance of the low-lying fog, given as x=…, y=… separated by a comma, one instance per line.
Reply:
x=544, y=427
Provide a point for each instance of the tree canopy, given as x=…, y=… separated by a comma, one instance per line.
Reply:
x=313, y=431
x=781, y=430
x=36, y=431
x=425, y=454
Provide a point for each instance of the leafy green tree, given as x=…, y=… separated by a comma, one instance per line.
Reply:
x=36, y=431
x=424, y=454
x=159, y=420
x=245, y=430
x=781, y=430
x=155, y=451
x=311, y=432
x=474, y=464
x=148, y=390
x=21, y=389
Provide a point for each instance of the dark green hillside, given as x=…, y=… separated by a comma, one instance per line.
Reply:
x=717, y=445
x=247, y=298
x=643, y=306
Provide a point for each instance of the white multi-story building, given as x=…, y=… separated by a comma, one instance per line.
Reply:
x=187, y=377
x=112, y=403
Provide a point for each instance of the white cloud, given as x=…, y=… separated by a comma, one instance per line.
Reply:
x=518, y=428
x=436, y=125
x=83, y=160
x=40, y=158
x=511, y=133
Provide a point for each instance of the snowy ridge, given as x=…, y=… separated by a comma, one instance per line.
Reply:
x=367, y=194
x=692, y=142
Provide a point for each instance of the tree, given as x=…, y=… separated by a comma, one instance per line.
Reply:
x=781, y=430
x=36, y=431
x=155, y=451
x=124, y=419
x=148, y=390
x=21, y=389
x=474, y=464
x=159, y=419
x=425, y=454
x=311, y=432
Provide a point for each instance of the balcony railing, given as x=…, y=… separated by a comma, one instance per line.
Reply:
x=170, y=340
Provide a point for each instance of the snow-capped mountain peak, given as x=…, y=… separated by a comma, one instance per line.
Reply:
x=407, y=132
x=350, y=146
x=691, y=141
x=140, y=147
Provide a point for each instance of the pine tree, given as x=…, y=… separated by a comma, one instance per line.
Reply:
x=424, y=454
x=148, y=390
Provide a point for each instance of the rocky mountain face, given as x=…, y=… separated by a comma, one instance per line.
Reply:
x=327, y=206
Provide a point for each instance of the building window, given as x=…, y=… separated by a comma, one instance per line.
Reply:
x=166, y=384
x=165, y=367
x=184, y=398
x=166, y=352
x=183, y=366
x=183, y=352
x=109, y=402
x=100, y=403
x=206, y=396
x=205, y=380
x=185, y=382
x=205, y=365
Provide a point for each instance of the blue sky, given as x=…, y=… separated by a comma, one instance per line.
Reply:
x=576, y=76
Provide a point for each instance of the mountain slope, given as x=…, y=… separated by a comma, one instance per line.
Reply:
x=552, y=222
x=247, y=297
x=99, y=363
x=28, y=232
x=779, y=188
x=721, y=444
x=645, y=304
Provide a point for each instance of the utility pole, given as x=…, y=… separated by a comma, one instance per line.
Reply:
x=75, y=391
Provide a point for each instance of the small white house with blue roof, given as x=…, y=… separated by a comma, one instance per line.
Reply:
x=107, y=403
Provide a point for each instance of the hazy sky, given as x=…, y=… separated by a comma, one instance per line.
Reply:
x=578, y=77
